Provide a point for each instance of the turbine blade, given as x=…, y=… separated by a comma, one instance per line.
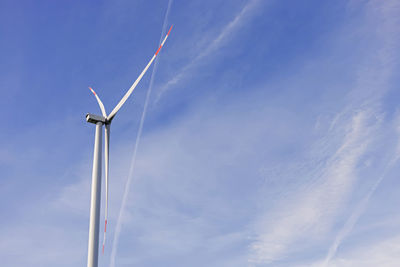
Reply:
x=107, y=130
x=103, y=110
x=122, y=101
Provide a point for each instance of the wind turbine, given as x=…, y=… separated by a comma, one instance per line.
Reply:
x=93, y=244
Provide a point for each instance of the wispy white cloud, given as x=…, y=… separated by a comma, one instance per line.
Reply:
x=310, y=212
x=197, y=198
x=386, y=56
x=385, y=252
x=312, y=209
x=213, y=45
x=362, y=205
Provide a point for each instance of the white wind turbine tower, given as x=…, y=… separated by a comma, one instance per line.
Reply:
x=93, y=246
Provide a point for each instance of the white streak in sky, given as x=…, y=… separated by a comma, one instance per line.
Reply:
x=389, y=11
x=132, y=167
x=226, y=32
x=314, y=210
x=360, y=208
x=352, y=220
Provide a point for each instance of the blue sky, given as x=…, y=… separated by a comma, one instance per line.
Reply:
x=272, y=134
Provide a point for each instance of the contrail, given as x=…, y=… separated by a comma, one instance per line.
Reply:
x=359, y=210
x=226, y=32
x=132, y=167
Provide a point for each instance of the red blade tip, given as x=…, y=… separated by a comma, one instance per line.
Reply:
x=170, y=29
x=92, y=90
